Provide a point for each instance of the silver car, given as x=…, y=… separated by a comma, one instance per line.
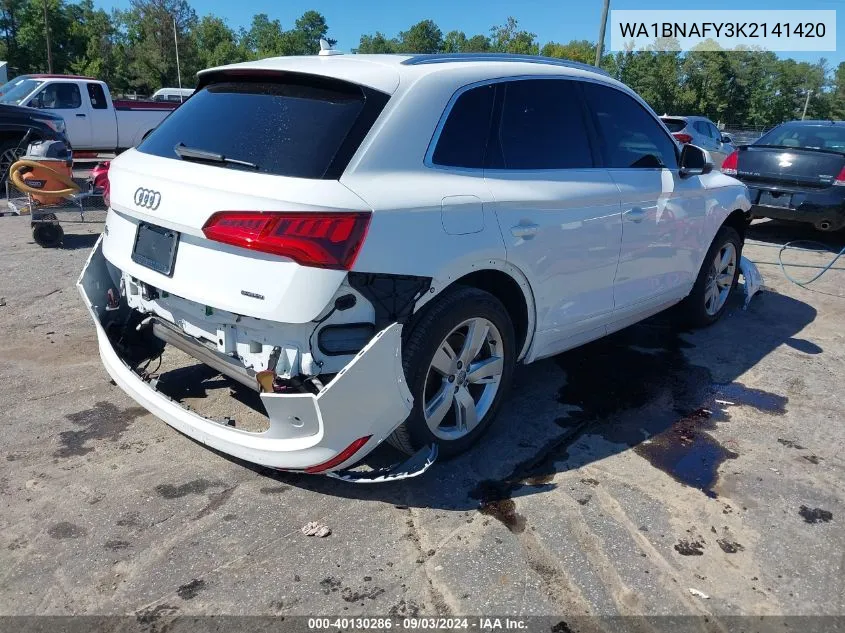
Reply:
x=702, y=132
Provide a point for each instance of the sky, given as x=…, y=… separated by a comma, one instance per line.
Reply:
x=555, y=20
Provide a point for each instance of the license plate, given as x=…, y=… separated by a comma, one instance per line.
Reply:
x=769, y=199
x=155, y=248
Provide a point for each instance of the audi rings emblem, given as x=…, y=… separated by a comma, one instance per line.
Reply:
x=147, y=198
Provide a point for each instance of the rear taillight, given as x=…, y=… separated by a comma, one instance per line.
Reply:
x=341, y=457
x=730, y=163
x=322, y=239
x=840, y=179
x=683, y=138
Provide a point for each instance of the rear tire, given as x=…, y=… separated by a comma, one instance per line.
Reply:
x=458, y=355
x=707, y=301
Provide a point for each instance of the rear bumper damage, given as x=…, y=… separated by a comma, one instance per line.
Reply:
x=361, y=405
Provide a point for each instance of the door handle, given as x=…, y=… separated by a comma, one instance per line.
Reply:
x=525, y=231
x=81, y=115
x=635, y=215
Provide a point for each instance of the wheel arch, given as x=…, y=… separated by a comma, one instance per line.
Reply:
x=505, y=282
x=739, y=221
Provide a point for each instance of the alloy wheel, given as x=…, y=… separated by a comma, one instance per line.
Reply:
x=720, y=278
x=463, y=379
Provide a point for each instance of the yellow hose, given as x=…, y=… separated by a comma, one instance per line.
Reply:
x=20, y=183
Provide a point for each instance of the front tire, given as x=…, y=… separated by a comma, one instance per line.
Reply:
x=458, y=356
x=10, y=151
x=708, y=299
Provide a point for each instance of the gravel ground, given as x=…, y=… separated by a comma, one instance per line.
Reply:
x=619, y=477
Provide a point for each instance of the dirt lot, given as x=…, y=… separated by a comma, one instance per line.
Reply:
x=619, y=477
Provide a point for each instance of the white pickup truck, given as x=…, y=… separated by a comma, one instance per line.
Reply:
x=94, y=121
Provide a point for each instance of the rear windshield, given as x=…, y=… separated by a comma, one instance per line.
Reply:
x=829, y=137
x=300, y=126
x=675, y=125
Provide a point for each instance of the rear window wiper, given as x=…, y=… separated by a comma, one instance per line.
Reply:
x=193, y=153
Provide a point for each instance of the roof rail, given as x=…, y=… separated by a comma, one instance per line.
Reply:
x=443, y=58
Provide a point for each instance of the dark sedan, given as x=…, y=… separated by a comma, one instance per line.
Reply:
x=796, y=171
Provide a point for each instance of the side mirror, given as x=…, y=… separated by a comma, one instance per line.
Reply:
x=727, y=139
x=37, y=101
x=694, y=161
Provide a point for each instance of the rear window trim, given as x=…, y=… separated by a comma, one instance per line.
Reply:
x=374, y=104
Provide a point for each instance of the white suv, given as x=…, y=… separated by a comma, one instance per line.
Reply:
x=374, y=242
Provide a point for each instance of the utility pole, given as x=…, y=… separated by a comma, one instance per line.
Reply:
x=806, y=103
x=47, y=36
x=178, y=70
x=600, y=43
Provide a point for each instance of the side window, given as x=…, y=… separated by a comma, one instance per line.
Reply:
x=463, y=140
x=97, y=96
x=542, y=126
x=631, y=137
x=714, y=132
x=61, y=96
x=702, y=128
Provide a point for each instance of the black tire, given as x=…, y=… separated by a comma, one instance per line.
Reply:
x=48, y=234
x=9, y=153
x=693, y=312
x=423, y=335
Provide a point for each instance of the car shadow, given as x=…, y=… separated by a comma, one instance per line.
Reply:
x=647, y=382
x=75, y=241
x=780, y=232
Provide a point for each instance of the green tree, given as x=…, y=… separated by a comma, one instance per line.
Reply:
x=838, y=90
x=576, y=50
x=507, y=38
x=377, y=43
x=477, y=44
x=151, y=29
x=422, y=37
x=10, y=16
x=265, y=37
x=454, y=42
x=216, y=44
x=309, y=29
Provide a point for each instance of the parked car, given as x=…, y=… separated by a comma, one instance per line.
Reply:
x=796, y=171
x=374, y=242
x=20, y=126
x=175, y=95
x=93, y=120
x=702, y=132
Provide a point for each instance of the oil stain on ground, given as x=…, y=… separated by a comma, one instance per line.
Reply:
x=687, y=452
x=635, y=370
x=103, y=421
x=195, y=487
x=690, y=548
x=65, y=530
x=190, y=590
x=494, y=500
x=815, y=515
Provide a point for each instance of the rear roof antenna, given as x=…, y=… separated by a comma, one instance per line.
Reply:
x=326, y=48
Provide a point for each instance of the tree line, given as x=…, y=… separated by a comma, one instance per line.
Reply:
x=135, y=51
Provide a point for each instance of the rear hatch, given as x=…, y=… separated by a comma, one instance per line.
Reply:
x=234, y=200
x=674, y=125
